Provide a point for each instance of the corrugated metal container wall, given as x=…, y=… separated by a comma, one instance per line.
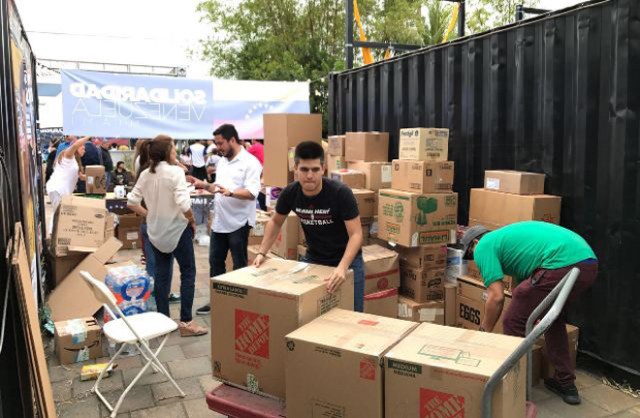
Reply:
x=559, y=94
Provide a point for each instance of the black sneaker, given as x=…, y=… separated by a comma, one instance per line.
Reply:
x=568, y=393
x=203, y=310
x=174, y=297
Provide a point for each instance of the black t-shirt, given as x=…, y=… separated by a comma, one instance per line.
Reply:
x=322, y=218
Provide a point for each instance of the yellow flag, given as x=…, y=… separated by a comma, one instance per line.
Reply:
x=452, y=24
x=367, y=57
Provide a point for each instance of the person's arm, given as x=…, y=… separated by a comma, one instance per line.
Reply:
x=134, y=198
x=69, y=152
x=251, y=185
x=493, y=306
x=339, y=274
x=270, y=234
x=183, y=200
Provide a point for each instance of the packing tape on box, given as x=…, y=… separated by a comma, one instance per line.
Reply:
x=430, y=314
x=492, y=183
x=77, y=329
x=90, y=180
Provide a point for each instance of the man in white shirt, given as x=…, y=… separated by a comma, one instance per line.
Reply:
x=198, y=160
x=237, y=186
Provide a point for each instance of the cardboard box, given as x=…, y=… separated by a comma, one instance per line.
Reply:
x=472, y=295
x=428, y=257
x=74, y=289
x=366, y=231
x=367, y=203
x=129, y=231
x=281, y=132
x=439, y=371
x=410, y=310
x=291, y=159
x=336, y=145
x=381, y=270
x=384, y=303
x=422, y=176
x=473, y=271
x=456, y=264
x=495, y=209
x=518, y=182
x=78, y=340
x=62, y=266
x=424, y=144
x=450, y=304
x=109, y=226
x=377, y=174
x=547, y=369
x=422, y=285
x=366, y=146
x=413, y=219
x=286, y=244
x=335, y=162
x=352, y=178
x=252, y=310
x=79, y=225
x=340, y=350
x=252, y=252
x=96, y=179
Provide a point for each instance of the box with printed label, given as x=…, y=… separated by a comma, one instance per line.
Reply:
x=78, y=340
x=422, y=176
x=286, y=243
x=377, y=174
x=412, y=219
x=352, y=178
x=381, y=269
x=252, y=310
x=340, y=350
x=456, y=264
x=470, y=301
x=426, y=257
x=79, y=225
x=96, y=179
x=439, y=371
x=410, y=310
x=495, y=209
x=424, y=144
x=366, y=146
x=335, y=162
x=518, y=182
x=367, y=201
x=422, y=285
x=384, y=303
x=128, y=230
x=336, y=145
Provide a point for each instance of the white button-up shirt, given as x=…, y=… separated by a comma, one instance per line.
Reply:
x=243, y=172
x=166, y=196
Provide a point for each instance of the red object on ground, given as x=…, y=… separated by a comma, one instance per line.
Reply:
x=532, y=411
x=238, y=403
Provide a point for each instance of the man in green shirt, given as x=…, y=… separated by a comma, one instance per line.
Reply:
x=537, y=255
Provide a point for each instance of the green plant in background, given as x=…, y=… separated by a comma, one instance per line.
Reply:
x=426, y=205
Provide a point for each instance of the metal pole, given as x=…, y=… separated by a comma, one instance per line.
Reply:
x=461, y=18
x=348, y=47
x=519, y=12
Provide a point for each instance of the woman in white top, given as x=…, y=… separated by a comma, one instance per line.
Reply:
x=170, y=226
x=66, y=172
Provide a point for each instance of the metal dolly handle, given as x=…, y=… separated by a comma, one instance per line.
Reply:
x=558, y=296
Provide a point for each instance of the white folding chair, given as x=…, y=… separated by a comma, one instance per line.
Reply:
x=136, y=329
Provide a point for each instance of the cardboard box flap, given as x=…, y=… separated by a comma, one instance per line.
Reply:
x=354, y=331
x=84, y=202
x=377, y=252
x=80, y=249
x=107, y=250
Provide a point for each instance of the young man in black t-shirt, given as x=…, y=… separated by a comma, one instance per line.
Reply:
x=330, y=219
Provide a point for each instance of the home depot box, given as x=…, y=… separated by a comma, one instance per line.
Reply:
x=495, y=209
x=410, y=310
x=472, y=295
x=450, y=304
x=335, y=162
x=381, y=270
x=377, y=174
x=78, y=340
x=96, y=179
x=547, y=369
x=518, y=182
x=422, y=176
x=473, y=271
x=129, y=230
x=426, y=257
x=422, y=285
x=286, y=243
x=336, y=145
x=425, y=144
x=79, y=225
x=366, y=146
x=439, y=371
x=367, y=201
x=352, y=178
x=384, y=303
x=253, y=309
x=281, y=132
x=413, y=219
x=340, y=350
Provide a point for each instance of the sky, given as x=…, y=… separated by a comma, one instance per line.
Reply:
x=145, y=32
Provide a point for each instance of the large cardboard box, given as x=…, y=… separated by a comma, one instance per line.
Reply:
x=422, y=285
x=426, y=257
x=472, y=295
x=96, y=179
x=450, y=304
x=518, y=182
x=367, y=201
x=129, y=231
x=495, y=209
x=381, y=269
x=62, y=266
x=281, y=132
x=384, y=303
x=366, y=146
x=377, y=174
x=410, y=310
x=439, y=371
x=413, y=219
x=286, y=244
x=424, y=144
x=336, y=145
x=335, y=162
x=340, y=350
x=78, y=340
x=473, y=271
x=547, y=369
x=79, y=225
x=352, y=178
x=252, y=310
x=422, y=176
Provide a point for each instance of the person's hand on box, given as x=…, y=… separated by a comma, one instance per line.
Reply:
x=260, y=258
x=335, y=280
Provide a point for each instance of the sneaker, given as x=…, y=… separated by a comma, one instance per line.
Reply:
x=568, y=393
x=204, y=310
x=174, y=297
x=191, y=329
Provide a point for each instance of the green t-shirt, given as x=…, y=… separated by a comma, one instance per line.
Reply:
x=518, y=249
